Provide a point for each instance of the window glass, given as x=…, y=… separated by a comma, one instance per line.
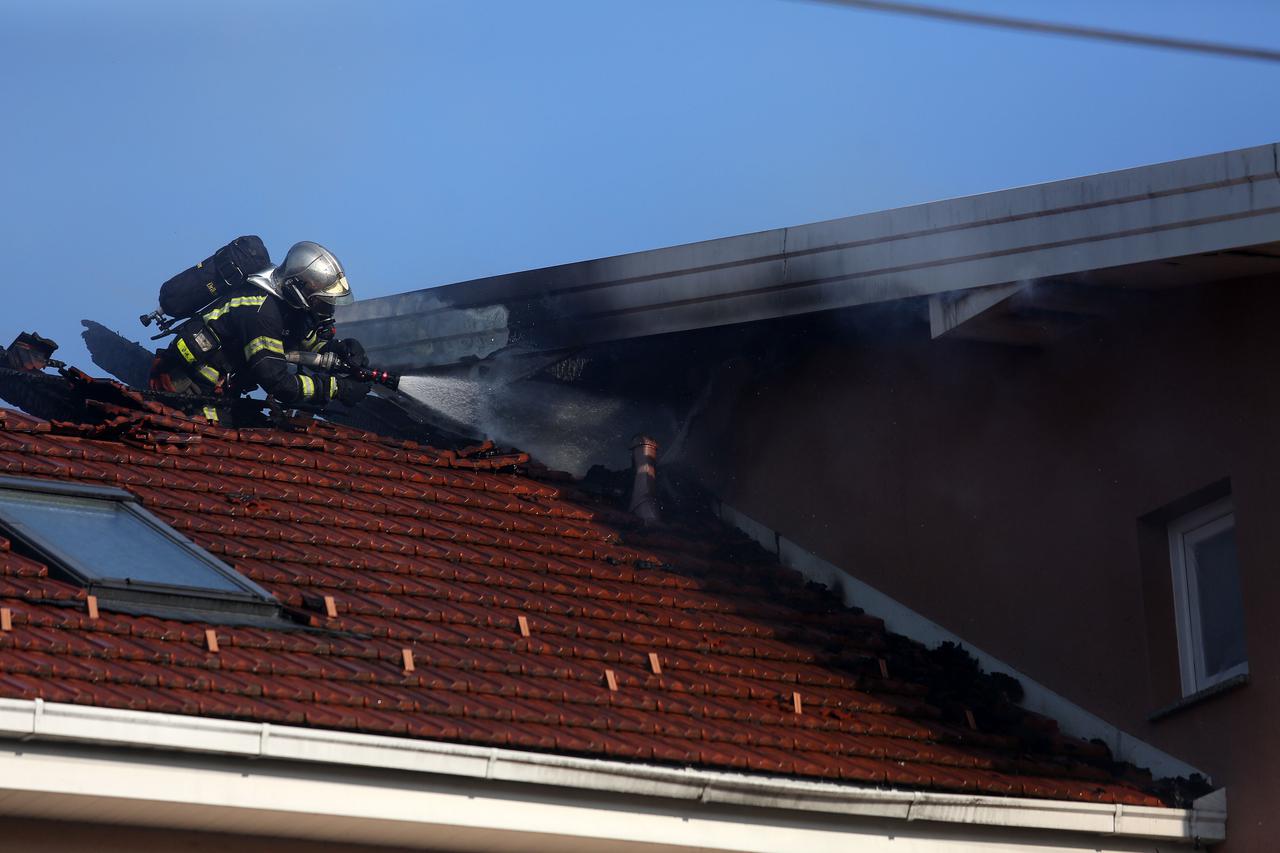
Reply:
x=107, y=541
x=1208, y=599
x=1217, y=578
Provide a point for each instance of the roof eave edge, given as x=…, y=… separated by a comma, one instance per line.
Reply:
x=901, y=619
x=48, y=721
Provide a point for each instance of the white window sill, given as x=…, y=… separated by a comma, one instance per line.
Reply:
x=1225, y=686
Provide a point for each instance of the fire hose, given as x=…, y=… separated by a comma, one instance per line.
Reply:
x=330, y=362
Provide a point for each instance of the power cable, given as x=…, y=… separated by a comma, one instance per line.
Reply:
x=1048, y=28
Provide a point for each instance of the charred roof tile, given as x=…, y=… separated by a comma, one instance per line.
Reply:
x=443, y=552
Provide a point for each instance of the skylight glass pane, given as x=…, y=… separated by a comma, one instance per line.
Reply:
x=107, y=542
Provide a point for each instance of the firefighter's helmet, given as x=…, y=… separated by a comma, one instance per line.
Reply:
x=312, y=278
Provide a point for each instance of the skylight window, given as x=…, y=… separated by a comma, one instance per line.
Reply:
x=101, y=538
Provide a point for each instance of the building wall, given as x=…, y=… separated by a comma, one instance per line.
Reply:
x=1008, y=494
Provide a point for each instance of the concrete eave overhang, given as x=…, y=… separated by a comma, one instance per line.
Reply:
x=1221, y=203
x=116, y=766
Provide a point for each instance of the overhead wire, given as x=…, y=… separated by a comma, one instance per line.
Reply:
x=1071, y=30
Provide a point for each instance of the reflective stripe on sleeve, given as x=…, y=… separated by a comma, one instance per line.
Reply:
x=333, y=387
x=238, y=302
x=308, y=386
x=210, y=374
x=211, y=414
x=264, y=342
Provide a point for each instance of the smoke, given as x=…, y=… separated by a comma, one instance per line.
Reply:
x=420, y=329
x=564, y=426
x=675, y=450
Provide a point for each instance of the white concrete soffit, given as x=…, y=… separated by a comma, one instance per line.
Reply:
x=83, y=763
x=1199, y=205
x=900, y=619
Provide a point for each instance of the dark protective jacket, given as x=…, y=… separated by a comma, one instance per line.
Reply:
x=238, y=343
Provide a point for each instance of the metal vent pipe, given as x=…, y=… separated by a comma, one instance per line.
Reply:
x=644, y=492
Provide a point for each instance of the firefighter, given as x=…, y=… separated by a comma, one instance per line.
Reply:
x=239, y=342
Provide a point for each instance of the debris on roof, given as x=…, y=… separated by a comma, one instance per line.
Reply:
x=461, y=595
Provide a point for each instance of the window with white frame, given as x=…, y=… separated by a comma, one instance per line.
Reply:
x=101, y=538
x=1207, y=599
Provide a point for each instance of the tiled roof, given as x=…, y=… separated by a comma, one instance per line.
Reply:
x=536, y=619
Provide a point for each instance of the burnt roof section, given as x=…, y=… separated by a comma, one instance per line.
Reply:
x=471, y=596
x=50, y=397
x=1191, y=221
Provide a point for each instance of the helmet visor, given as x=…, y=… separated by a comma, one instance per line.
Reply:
x=338, y=293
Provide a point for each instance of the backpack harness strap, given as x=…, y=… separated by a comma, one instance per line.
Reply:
x=199, y=348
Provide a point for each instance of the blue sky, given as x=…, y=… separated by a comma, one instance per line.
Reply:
x=432, y=142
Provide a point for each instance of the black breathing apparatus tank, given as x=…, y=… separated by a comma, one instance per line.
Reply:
x=195, y=287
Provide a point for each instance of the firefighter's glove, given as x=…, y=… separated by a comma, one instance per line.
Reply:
x=351, y=391
x=351, y=351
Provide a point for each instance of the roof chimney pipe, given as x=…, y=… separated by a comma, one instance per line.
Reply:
x=644, y=493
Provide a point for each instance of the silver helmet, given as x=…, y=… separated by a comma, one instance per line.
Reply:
x=312, y=279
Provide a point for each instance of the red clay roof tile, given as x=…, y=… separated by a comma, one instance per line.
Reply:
x=443, y=553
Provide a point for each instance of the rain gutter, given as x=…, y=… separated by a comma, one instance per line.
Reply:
x=90, y=757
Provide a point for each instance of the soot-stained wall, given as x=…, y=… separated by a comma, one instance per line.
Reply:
x=1008, y=495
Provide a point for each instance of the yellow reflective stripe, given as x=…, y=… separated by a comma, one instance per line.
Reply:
x=265, y=342
x=211, y=414
x=186, y=351
x=312, y=342
x=209, y=373
x=238, y=302
x=308, y=386
x=333, y=387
